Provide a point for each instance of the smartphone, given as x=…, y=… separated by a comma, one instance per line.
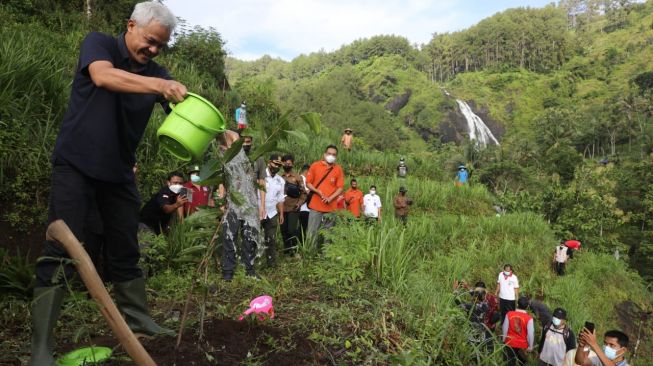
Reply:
x=589, y=326
x=183, y=191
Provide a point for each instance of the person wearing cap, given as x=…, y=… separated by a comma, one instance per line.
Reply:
x=518, y=334
x=347, y=139
x=462, y=176
x=295, y=197
x=557, y=339
x=274, y=199
x=196, y=194
x=402, y=169
x=401, y=203
x=241, y=116
x=354, y=198
x=560, y=257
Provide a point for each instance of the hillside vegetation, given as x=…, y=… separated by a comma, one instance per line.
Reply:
x=568, y=85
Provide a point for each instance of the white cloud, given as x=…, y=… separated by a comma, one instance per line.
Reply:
x=286, y=28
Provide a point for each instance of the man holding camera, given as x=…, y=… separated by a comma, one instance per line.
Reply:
x=169, y=200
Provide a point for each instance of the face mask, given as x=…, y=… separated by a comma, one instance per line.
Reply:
x=175, y=188
x=330, y=158
x=195, y=178
x=273, y=171
x=507, y=273
x=287, y=168
x=556, y=321
x=372, y=192
x=610, y=352
x=247, y=148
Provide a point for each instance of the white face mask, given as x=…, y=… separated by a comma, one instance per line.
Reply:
x=372, y=192
x=175, y=188
x=507, y=273
x=330, y=158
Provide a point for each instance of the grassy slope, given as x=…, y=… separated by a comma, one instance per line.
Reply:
x=383, y=294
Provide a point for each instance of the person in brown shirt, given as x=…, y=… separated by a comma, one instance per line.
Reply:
x=401, y=203
x=347, y=139
x=295, y=197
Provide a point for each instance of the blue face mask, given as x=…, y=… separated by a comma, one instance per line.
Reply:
x=610, y=352
x=195, y=178
x=556, y=321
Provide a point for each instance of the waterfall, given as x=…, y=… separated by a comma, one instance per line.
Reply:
x=478, y=130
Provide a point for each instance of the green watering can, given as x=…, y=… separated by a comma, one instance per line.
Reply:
x=190, y=127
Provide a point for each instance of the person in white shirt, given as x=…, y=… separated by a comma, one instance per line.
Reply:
x=560, y=257
x=372, y=205
x=274, y=198
x=507, y=290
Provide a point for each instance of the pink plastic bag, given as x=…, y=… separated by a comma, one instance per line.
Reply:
x=262, y=306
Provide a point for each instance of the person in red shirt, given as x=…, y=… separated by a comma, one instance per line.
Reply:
x=326, y=180
x=197, y=195
x=518, y=334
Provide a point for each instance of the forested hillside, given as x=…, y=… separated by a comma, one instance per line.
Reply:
x=565, y=86
x=567, y=89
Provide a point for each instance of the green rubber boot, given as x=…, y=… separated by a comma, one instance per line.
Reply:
x=131, y=299
x=45, y=312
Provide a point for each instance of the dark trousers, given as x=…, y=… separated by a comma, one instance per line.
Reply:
x=303, y=223
x=231, y=227
x=402, y=218
x=515, y=356
x=560, y=268
x=269, y=227
x=290, y=231
x=72, y=199
x=505, y=306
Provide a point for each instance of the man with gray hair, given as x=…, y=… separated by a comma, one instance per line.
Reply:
x=114, y=90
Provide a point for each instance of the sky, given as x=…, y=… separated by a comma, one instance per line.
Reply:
x=288, y=28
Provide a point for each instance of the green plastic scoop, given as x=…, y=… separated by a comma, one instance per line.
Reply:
x=84, y=356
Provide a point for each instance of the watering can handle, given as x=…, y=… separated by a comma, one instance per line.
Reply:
x=206, y=129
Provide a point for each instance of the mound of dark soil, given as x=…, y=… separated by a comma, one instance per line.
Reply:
x=227, y=342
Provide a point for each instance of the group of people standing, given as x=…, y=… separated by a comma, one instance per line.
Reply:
x=516, y=314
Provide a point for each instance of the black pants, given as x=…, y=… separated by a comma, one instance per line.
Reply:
x=505, y=306
x=269, y=227
x=231, y=227
x=290, y=231
x=303, y=223
x=72, y=199
x=560, y=269
x=515, y=356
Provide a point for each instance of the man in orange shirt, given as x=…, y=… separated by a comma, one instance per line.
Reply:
x=347, y=139
x=326, y=180
x=354, y=198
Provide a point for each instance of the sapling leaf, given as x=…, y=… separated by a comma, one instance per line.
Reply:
x=210, y=169
x=233, y=150
x=298, y=135
x=265, y=148
x=313, y=120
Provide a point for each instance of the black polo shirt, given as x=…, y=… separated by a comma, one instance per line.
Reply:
x=152, y=213
x=101, y=129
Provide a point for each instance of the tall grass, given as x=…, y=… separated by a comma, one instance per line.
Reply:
x=420, y=262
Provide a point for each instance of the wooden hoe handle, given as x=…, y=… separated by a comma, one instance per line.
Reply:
x=59, y=231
